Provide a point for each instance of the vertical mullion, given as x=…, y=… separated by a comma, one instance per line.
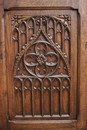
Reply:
x=63, y=44
x=23, y=97
x=60, y=97
x=51, y=99
x=42, y=96
x=32, y=99
x=54, y=31
x=34, y=28
x=47, y=28
x=19, y=38
x=41, y=22
x=70, y=95
x=27, y=32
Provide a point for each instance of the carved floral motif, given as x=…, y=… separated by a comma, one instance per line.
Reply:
x=42, y=54
x=42, y=59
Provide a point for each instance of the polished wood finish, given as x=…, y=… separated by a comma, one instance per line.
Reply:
x=41, y=51
x=43, y=65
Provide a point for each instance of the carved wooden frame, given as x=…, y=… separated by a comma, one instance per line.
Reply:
x=80, y=7
x=33, y=39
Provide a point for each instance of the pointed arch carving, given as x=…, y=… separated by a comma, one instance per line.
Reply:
x=34, y=40
x=42, y=63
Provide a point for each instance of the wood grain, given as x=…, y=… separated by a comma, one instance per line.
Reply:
x=78, y=9
x=45, y=4
x=3, y=89
x=82, y=118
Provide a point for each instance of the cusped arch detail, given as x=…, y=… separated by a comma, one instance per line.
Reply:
x=48, y=41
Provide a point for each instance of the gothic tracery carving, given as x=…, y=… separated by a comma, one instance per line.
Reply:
x=42, y=56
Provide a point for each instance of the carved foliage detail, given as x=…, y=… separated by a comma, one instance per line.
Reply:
x=57, y=29
x=42, y=56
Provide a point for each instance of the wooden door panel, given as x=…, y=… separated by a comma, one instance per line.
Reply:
x=41, y=51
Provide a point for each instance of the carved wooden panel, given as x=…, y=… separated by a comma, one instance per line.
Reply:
x=42, y=65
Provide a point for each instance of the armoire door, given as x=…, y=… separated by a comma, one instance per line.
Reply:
x=41, y=64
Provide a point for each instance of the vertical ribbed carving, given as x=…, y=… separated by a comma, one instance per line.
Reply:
x=42, y=66
x=18, y=97
x=15, y=39
x=28, y=96
x=65, y=96
x=37, y=96
x=23, y=34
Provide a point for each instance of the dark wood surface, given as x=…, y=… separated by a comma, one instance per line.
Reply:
x=57, y=78
x=31, y=98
